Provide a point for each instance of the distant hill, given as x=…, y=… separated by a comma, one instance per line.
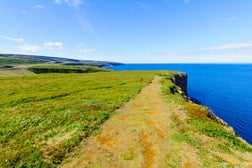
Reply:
x=19, y=59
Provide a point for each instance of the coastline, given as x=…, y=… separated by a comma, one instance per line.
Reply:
x=181, y=79
x=224, y=88
x=167, y=131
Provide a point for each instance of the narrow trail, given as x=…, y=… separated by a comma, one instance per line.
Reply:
x=136, y=137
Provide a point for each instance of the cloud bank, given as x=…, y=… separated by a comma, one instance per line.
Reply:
x=18, y=40
x=28, y=48
x=231, y=46
x=54, y=45
x=85, y=50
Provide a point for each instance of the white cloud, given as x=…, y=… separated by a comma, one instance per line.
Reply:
x=56, y=44
x=85, y=50
x=200, y=56
x=19, y=40
x=52, y=45
x=71, y=3
x=226, y=53
x=186, y=2
x=231, y=46
x=39, y=6
x=28, y=48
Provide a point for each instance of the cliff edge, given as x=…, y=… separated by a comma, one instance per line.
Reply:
x=180, y=79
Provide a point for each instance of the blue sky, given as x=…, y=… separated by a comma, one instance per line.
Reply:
x=130, y=31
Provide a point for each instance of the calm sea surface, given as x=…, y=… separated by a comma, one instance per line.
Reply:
x=225, y=88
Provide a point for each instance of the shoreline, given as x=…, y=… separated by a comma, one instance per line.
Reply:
x=180, y=79
x=205, y=83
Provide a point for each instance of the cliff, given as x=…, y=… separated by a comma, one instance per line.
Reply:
x=211, y=136
x=180, y=79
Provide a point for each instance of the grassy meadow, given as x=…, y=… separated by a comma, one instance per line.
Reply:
x=43, y=117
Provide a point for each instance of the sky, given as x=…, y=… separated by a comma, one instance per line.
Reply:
x=129, y=31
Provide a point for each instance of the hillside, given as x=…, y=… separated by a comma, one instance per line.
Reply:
x=17, y=59
x=17, y=64
x=50, y=120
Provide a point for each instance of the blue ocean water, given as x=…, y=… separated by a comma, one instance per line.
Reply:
x=225, y=88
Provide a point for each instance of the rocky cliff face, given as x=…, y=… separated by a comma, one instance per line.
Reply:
x=180, y=79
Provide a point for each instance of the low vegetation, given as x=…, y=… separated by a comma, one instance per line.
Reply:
x=44, y=116
x=64, y=69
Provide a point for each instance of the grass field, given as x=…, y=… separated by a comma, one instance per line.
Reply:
x=42, y=117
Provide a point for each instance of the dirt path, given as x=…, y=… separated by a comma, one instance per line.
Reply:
x=136, y=137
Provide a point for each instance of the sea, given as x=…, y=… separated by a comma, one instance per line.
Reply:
x=225, y=88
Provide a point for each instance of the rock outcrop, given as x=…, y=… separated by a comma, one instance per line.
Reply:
x=180, y=79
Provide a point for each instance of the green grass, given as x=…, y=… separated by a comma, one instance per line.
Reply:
x=129, y=155
x=64, y=69
x=201, y=123
x=43, y=117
